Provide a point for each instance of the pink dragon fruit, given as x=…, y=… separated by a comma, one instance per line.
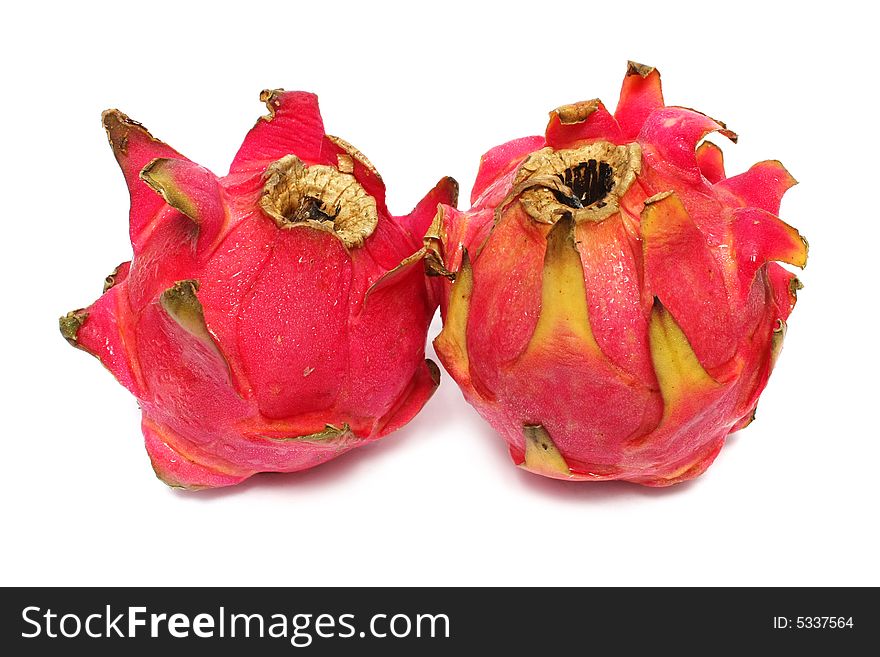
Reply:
x=272, y=319
x=616, y=308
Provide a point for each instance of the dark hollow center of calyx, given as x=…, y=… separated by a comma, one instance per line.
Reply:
x=310, y=208
x=590, y=182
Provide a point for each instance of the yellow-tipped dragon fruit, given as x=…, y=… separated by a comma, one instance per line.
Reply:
x=614, y=305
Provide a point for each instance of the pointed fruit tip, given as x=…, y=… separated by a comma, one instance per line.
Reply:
x=435, y=263
x=750, y=419
x=120, y=129
x=70, y=324
x=114, y=118
x=270, y=98
x=643, y=70
x=452, y=188
x=727, y=132
x=113, y=277
x=722, y=126
x=576, y=112
x=433, y=370
x=792, y=181
x=117, y=125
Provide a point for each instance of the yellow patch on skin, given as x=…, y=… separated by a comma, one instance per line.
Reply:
x=678, y=369
x=159, y=175
x=776, y=340
x=675, y=474
x=183, y=306
x=329, y=434
x=663, y=213
x=541, y=454
x=452, y=341
x=563, y=293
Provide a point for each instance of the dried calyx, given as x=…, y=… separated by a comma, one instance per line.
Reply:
x=585, y=182
x=319, y=196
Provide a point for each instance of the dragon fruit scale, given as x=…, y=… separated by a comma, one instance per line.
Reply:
x=270, y=319
x=614, y=304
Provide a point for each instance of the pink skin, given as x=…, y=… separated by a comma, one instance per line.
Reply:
x=705, y=259
x=302, y=332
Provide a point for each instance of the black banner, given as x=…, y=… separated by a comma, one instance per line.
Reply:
x=339, y=621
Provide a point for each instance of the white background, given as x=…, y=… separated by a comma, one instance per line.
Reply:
x=424, y=92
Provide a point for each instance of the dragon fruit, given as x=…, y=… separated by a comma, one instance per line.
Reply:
x=614, y=304
x=272, y=319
